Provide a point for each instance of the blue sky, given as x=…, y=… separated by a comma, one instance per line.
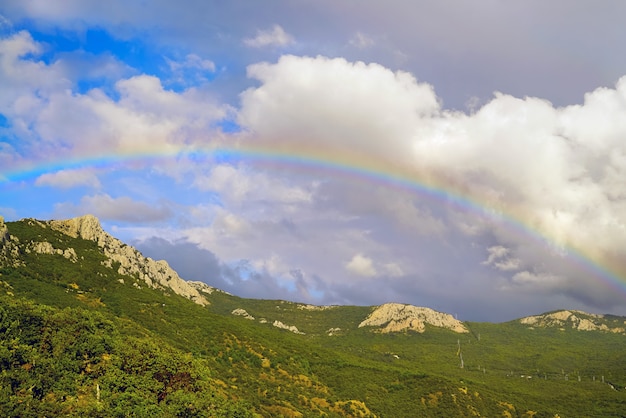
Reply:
x=266, y=148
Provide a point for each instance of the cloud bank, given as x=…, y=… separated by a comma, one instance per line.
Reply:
x=527, y=206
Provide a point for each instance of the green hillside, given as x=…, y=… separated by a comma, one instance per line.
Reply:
x=79, y=339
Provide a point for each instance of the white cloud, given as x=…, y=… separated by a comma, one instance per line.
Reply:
x=192, y=70
x=274, y=266
x=538, y=170
x=361, y=41
x=229, y=225
x=276, y=36
x=110, y=208
x=69, y=178
x=240, y=184
x=393, y=270
x=538, y=280
x=499, y=257
x=361, y=266
x=53, y=121
x=322, y=104
x=5, y=23
x=24, y=81
x=191, y=61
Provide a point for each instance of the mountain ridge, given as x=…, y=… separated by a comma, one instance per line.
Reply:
x=385, y=318
x=65, y=299
x=129, y=260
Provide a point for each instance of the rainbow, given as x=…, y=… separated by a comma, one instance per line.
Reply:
x=342, y=164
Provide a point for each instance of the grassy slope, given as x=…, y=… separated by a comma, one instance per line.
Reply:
x=279, y=372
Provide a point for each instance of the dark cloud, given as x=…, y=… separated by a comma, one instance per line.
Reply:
x=194, y=263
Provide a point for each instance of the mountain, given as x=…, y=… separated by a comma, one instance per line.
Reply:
x=578, y=320
x=91, y=327
x=396, y=317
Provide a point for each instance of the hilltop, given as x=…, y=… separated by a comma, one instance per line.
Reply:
x=578, y=320
x=104, y=331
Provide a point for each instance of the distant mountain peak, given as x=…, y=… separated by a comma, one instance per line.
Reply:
x=396, y=317
x=574, y=319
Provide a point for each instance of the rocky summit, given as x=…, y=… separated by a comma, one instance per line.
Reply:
x=124, y=258
x=578, y=320
x=395, y=317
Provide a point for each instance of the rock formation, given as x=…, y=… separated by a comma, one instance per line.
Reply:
x=291, y=328
x=578, y=320
x=307, y=307
x=129, y=261
x=242, y=312
x=87, y=227
x=9, y=251
x=395, y=317
x=203, y=287
x=4, y=231
x=47, y=248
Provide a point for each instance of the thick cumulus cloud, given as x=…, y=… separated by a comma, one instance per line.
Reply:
x=329, y=103
x=542, y=170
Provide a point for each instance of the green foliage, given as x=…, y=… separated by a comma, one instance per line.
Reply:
x=76, y=362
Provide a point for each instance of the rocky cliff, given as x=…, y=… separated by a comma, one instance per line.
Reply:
x=395, y=317
x=578, y=320
x=4, y=231
x=8, y=248
x=129, y=261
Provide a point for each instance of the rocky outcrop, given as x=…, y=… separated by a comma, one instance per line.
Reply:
x=306, y=307
x=126, y=259
x=578, y=320
x=396, y=317
x=334, y=331
x=291, y=328
x=4, y=231
x=87, y=227
x=9, y=252
x=203, y=287
x=47, y=248
x=242, y=312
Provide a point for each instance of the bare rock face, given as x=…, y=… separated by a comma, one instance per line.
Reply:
x=306, y=307
x=9, y=252
x=87, y=227
x=291, y=328
x=4, y=231
x=203, y=287
x=47, y=248
x=242, y=312
x=578, y=320
x=129, y=261
x=396, y=317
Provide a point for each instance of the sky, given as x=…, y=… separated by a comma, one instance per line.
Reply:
x=465, y=156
